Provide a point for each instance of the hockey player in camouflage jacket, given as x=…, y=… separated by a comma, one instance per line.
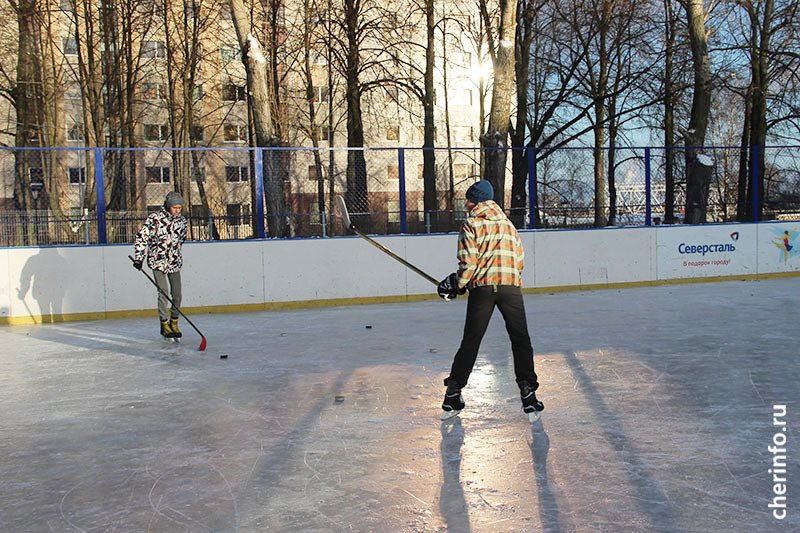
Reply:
x=160, y=238
x=490, y=263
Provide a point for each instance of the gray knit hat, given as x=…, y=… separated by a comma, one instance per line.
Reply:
x=173, y=198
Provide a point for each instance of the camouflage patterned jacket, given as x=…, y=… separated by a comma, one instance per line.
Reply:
x=161, y=237
x=489, y=249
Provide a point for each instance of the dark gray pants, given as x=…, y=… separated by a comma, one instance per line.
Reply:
x=480, y=306
x=174, y=290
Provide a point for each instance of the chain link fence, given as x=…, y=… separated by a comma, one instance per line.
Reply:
x=88, y=196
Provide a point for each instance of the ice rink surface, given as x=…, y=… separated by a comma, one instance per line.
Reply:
x=658, y=417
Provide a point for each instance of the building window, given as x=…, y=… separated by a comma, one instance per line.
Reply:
x=421, y=133
x=392, y=172
x=70, y=46
x=393, y=209
x=234, y=93
x=73, y=91
x=156, y=132
x=391, y=94
x=67, y=5
x=228, y=52
x=322, y=133
x=460, y=208
x=75, y=132
x=197, y=92
x=462, y=133
x=238, y=214
x=319, y=57
x=197, y=133
x=393, y=133
x=36, y=175
x=463, y=171
x=199, y=174
x=225, y=12
x=77, y=175
x=156, y=174
x=462, y=97
x=235, y=133
x=153, y=49
x=190, y=10
x=154, y=91
x=321, y=94
x=312, y=172
x=154, y=7
x=234, y=174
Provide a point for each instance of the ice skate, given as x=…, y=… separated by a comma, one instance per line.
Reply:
x=167, y=333
x=530, y=405
x=453, y=403
x=173, y=325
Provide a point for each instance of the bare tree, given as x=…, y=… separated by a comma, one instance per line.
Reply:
x=259, y=89
x=495, y=140
x=698, y=168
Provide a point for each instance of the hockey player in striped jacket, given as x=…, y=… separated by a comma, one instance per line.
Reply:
x=490, y=263
x=160, y=238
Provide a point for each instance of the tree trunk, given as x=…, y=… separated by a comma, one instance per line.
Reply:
x=759, y=65
x=669, y=115
x=519, y=160
x=697, y=172
x=430, y=195
x=495, y=140
x=259, y=94
x=357, y=192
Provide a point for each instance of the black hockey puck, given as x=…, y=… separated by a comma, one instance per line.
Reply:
x=223, y=356
x=339, y=398
x=369, y=327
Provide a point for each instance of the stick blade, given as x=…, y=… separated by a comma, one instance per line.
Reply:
x=343, y=211
x=202, y=344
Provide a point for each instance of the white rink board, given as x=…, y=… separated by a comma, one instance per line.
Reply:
x=706, y=251
x=5, y=292
x=55, y=280
x=592, y=257
x=100, y=279
x=772, y=257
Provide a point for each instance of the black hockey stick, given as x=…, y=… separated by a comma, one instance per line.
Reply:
x=203, y=341
x=346, y=218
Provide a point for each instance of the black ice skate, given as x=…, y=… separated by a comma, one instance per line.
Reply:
x=530, y=405
x=453, y=403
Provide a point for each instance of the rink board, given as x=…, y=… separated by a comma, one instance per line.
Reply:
x=80, y=282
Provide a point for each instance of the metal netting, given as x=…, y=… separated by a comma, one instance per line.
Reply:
x=102, y=195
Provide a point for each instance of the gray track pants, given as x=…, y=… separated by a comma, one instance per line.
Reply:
x=174, y=290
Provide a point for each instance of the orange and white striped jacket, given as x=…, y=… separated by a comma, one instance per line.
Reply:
x=489, y=249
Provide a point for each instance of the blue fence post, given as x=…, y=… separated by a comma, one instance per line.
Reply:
x=532, y=199
x=754, y=179
x=401, y=171
x=260, y=192
x=647, y=190
x=100, y=189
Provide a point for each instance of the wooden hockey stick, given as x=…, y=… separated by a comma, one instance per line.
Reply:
x=203, y=341
x=346, y=218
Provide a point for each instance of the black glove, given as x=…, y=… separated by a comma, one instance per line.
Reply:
x=137, y=264
x=448, y=288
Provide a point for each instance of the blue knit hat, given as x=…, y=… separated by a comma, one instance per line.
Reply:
x=480, y=191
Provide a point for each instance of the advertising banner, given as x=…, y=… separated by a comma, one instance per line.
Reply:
x=706, y=251
x=779, y=247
